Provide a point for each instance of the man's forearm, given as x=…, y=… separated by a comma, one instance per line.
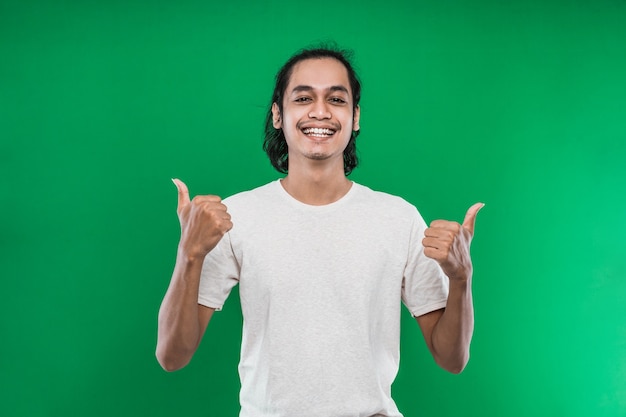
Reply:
x=179, y=330
x=452, y=334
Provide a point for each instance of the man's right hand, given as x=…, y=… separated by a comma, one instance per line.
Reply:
x=203, y=222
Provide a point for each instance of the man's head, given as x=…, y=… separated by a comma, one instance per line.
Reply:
x=284, y=101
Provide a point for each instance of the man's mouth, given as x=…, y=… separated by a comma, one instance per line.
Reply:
x=318, y=132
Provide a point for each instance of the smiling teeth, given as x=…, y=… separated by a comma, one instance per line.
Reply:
x=318, y=131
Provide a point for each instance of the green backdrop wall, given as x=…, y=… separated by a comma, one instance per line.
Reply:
x=519, y=104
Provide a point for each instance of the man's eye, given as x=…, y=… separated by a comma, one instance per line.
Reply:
x=337, y=100
x=302, y=99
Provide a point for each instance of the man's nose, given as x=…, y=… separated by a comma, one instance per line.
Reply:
x=320, y=110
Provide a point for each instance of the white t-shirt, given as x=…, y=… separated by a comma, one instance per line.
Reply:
x=320, y=290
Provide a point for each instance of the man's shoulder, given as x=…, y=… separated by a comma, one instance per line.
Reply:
x=260, y=192
x=255, y=201
x=384, y=199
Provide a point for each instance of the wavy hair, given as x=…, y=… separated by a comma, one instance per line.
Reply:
x=275, y=144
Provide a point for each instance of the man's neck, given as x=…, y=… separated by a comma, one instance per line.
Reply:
x=316, y=187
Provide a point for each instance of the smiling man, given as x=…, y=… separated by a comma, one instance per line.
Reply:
x=323, y=264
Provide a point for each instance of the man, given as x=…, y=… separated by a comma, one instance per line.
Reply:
x=322, y=264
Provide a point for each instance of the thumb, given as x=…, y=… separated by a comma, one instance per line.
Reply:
x=183, y=193
x=470, y=217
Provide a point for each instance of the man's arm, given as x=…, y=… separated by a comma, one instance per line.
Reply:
x=448, y=332
x=182, y=322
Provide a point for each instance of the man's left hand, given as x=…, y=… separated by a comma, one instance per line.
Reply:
x=448, y=243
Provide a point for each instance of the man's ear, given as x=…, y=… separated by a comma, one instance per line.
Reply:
x=357, y=117
x=276, y=120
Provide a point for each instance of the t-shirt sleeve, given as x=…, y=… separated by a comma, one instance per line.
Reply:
x=220, y=273
x=425, y=286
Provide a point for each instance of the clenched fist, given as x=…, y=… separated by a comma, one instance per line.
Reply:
x=449, y=244
x=203, y=221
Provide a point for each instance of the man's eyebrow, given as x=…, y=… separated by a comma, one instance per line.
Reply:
x=307, y=88
x=301, y=88
x=339, y=88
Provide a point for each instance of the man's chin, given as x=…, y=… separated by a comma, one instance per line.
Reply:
x=318, y=156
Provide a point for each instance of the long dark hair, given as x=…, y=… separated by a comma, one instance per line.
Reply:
x=275, y=144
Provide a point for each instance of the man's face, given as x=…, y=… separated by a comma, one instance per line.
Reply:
x=317, y=117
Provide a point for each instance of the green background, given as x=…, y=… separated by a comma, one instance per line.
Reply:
x=519, y=104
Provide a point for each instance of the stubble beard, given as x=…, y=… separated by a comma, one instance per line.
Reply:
x=318, y=156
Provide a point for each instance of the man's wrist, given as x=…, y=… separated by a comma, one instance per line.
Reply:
x=461, y=283
x=190, y=257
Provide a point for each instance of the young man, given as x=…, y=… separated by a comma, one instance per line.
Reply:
x=322, y=263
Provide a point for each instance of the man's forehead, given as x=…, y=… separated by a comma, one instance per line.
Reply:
x=319, y=73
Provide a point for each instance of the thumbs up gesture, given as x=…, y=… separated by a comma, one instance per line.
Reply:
x=449, y=244
x=203, y=222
